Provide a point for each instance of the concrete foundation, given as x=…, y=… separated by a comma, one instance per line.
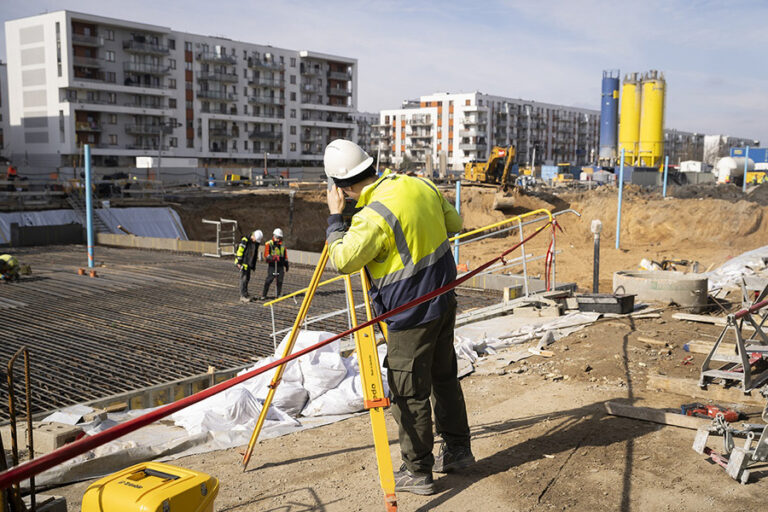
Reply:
x=687, y=290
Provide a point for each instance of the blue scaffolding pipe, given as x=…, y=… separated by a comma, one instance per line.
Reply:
x=621, y=190
x=88, y=204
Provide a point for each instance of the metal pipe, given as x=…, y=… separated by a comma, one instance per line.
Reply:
x=88, y=204
x=30, y=433
x=666, y=168
x=504, y=230
x=525, y=263
x=621, y=190
x=751, y=309
x=16, y=490
x=596, y=228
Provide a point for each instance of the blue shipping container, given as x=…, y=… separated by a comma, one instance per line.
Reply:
x=757, y=155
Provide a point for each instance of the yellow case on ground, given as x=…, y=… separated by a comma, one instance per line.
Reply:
x=152, y=487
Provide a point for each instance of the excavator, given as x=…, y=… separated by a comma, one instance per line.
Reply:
x=495, y=170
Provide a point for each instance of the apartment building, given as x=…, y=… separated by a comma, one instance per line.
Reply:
x=365, y=128
x=465, y=127
x=3, y=109
x=133, y=89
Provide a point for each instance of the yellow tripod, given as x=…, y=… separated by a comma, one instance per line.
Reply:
x=370, y=375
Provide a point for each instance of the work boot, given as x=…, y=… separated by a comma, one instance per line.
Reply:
x=453, y=458
x=245, y=298
x=416, y=483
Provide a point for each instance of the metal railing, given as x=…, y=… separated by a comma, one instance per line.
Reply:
x=143, y=129
x=217, y=95
x=82, y=39
x=266, y=100
x=338, y=91
x=87, y=126
x=265, y=64
x=217, y=76
x=87, y=62
x=210, y=56
x=133, y=46
x=141, y=67
x=267, y=82
x=516, y=222
x=266, y=135
x=340, y=75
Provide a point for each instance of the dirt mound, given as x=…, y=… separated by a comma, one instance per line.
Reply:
x=759, y=195
x=726, y=192
x=516, y=201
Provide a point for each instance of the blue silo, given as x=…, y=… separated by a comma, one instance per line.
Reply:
x=609, y=113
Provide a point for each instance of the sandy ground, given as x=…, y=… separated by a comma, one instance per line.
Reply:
x=540, y=434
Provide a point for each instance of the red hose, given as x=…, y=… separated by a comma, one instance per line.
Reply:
x=69, y=451
x=751, y=309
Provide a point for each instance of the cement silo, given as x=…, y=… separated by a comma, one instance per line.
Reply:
x=609, y=112
x=629, y=118
x=651, y=146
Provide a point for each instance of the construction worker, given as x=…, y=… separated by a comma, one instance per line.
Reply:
x=400, y=236
x=245, y=259
x=276, y=256
x=9, y=268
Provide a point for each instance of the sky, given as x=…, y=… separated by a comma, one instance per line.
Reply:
x=711, y=53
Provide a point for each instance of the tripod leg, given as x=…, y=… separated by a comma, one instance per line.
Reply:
x=288, y=349
x=373, y=394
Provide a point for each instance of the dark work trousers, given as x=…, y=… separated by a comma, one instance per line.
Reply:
x=421, y=361
x=274, y=270
x=245, y=276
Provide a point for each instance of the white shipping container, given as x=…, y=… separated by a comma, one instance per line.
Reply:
x=694, y=166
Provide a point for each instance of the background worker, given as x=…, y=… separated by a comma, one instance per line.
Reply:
x=401, y=237
x=276, y=256
x=245, y=259
x=9, y=268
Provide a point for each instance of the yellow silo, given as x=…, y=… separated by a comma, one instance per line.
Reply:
x=652, y=120
x=629, y=118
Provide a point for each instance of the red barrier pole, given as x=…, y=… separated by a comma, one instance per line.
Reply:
x=751, y=309
x=69, y=451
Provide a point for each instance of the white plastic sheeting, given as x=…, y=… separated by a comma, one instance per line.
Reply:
x=729, y=274
x=159, y=222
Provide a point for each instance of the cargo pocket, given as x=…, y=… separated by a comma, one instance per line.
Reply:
x=400, y=376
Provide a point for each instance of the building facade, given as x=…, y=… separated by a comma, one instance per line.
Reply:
x=464, y=127
x=132, y=89
x=365, y=122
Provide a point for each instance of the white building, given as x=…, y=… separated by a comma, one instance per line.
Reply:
x=466, y=126
x=718, y=146
x=4, y=126
x=365, y=122
x=132, y=89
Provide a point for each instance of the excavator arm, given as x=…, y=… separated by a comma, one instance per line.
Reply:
x=507, y=164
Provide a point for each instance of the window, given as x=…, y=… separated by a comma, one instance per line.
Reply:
x=189, y=104
x=188, y=66
x=112, y=98
x=293, y=146
x=293, y=130
x=113, y=139
x=112, y=118
x=172, y=63
x=173, y=142
x=110, y=35
x=171, y=44
x=187, y=46
x=466, y=102
x=293, y=79
x=245, y=91
x=190, y=143
x=188, y=85
x=245, y=144
x=245, y=57
x=110, y=77
x=282, y=60
x=171, y=102
x=171, y=83
x=293, y=113
x=110, y=56
x=293, y=62
x=293, y=96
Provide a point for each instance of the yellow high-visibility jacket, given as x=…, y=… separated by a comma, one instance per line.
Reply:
x=401, y=237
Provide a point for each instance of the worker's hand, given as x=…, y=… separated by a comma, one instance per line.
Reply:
x=335, y=200
x=239, y=267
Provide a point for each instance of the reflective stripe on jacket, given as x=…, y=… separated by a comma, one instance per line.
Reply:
x=247, y=253
x=401, y=237
x=275, y=252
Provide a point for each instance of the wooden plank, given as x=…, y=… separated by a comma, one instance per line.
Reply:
x=690, y=389
x=656, y=416
x=705, y=319
x=652, y=341
x=704, y=347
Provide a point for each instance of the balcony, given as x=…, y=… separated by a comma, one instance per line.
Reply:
x=310, y=71
x=87, y=62
x=88, y=101
x=340, y=75
x=133, y=46
x=472, y=146
x=420, y=135
x=262, y=135
x=267, y=82
x=87, y=126
x=143, y=129
x=311, y=137
x=145, y=104
x=147, y=147
x=380, y=136
x=219, y=132
x=84, y=40
x=255, y=63
x=150, y=69
x=309, y=88
x=217, y=95
x=338, y=91
x=266, y=100
x=421, y=121
x=473, y=132
x=217, y=77
x=472, y=120
x=218, y=58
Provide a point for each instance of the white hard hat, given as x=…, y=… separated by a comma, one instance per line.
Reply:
x=258, y=235
x=344, y=159
x=278, y=233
